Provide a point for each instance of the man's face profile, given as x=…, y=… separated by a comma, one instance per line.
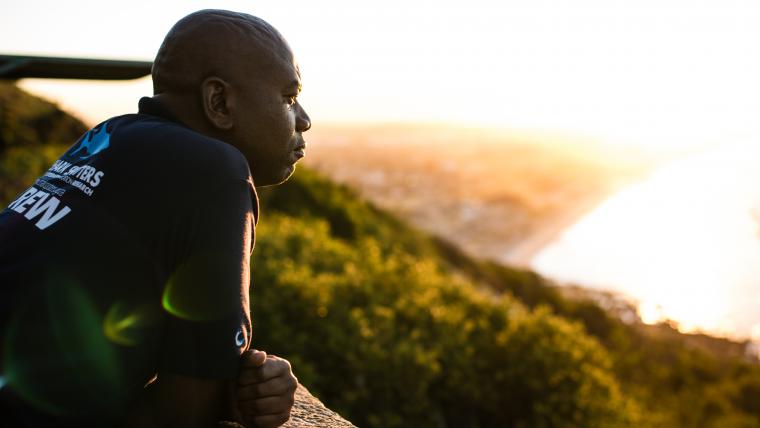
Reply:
x=271, y=119
x=249, y=82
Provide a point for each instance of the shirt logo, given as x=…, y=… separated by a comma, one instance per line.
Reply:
x=93, y=142
x=239, y=337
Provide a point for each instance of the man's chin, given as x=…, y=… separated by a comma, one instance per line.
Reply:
x=275, y=180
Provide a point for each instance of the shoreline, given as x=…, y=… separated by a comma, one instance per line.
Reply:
x=523, y=253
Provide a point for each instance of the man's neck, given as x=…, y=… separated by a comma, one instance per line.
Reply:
x=185, y=108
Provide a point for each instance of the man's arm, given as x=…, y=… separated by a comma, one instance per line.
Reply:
x=206, y=323
x=182, y=401
x=261, y=397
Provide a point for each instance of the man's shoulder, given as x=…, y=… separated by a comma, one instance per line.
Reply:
x=158, y=141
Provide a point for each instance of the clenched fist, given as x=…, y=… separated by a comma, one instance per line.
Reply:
x=266, y=389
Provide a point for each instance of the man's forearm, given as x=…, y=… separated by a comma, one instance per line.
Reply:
x=179, y=401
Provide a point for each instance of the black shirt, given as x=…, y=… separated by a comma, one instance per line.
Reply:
x=128, y=257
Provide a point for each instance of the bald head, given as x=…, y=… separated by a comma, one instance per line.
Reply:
x=218, y=43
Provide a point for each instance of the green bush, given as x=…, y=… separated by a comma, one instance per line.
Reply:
x=390, y=340
x=33, y=134
x=673, y=381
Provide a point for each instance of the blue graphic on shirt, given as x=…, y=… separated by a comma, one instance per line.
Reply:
x=94, y=142
x=239, y=337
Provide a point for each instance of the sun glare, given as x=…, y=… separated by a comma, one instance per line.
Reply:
x=683, y=241
x=650, y=313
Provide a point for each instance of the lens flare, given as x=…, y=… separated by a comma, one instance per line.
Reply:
x=124, y=326
x=56, y=356
x=204, y=288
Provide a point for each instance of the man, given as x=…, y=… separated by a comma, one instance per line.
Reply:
x=124, y=270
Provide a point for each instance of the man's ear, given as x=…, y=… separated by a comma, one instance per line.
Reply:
x=218, y=102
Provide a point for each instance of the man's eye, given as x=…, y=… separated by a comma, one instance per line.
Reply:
x=291, y=100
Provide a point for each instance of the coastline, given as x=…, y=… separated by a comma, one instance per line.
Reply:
x=522, y=254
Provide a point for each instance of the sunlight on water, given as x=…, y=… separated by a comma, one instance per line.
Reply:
x=684, y=243
x=650, y=312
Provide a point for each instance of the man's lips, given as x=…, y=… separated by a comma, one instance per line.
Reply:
x=300, y=151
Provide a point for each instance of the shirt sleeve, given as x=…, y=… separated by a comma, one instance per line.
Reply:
x=206, y=303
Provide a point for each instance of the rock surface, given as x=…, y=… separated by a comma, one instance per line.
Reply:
x=308, y=412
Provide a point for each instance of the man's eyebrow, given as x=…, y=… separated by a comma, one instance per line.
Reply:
x=295, y=84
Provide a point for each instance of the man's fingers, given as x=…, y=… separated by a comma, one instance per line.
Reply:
x=273, y=367
x=267, y=406
x=273, y=387
x=253, y=358
x=270, y=421
x=266, y=392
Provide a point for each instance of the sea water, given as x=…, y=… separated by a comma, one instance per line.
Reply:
x=684, y=244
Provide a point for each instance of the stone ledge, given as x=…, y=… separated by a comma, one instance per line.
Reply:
x=308, y=412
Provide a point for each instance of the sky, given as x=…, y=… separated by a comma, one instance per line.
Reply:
x=655, y=73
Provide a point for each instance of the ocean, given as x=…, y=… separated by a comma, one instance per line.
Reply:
x=684, y=243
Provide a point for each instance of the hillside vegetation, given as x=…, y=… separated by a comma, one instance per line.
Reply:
x=393, y=328
x=33, y=133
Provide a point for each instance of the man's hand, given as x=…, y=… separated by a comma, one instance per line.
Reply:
x=266, y=389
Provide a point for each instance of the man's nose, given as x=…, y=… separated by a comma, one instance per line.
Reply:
x=303, y=122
